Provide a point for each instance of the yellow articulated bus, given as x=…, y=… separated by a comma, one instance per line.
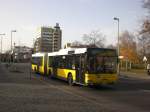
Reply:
x=39, y=63
x=85, y=66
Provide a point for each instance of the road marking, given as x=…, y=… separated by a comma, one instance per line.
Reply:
x=69, y=92
x=114, y=106
x=88, y=99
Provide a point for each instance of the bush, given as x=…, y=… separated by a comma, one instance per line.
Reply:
x=138, y=66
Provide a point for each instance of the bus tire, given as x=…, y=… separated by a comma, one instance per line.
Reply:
x=70, y=80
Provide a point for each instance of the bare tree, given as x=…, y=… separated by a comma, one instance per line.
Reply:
x=76, y=43
x=145, y=26
x=144, y=39
x=146, y=4
x=144, y=33
x=111, y=46
x=144, y=45
x=127, y=39
x=94, y=39
x=128, y=46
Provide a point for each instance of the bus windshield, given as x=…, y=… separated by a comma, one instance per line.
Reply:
x=102, y=64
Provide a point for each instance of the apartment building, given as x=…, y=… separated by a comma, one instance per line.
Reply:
x=48, y=39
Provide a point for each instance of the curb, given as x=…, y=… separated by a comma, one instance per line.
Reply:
x=135, y=75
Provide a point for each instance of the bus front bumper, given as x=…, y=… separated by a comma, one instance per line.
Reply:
x=101, y=79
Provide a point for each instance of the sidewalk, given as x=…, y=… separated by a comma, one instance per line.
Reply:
x=17, y=67
x=135, y=74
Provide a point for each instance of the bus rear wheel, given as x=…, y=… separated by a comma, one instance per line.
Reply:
x=70, y=80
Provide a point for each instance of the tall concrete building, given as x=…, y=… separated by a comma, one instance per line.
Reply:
x=57, y=37
x=48, y=39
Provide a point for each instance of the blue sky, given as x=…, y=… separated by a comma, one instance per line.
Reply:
x=76, y=17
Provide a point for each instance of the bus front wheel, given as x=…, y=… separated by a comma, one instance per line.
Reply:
x=70, y=80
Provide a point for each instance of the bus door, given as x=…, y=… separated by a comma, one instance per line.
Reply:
x=55, y=66
x=80, y=69
x=38, y=65
x=38, y=68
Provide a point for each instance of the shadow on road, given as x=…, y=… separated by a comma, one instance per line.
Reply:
x=22, y=75
x=122, y=85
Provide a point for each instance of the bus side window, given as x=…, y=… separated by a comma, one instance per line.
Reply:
x=33, y=60
x=73, y=63
x=50, y=61
x=69, y=62
x=77, y=62
x=55, y=62
x=39, y=61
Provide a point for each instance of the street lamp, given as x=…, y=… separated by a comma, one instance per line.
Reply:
x=1, y=44
x=2, y=41
x=11, y=39
x=117, y=19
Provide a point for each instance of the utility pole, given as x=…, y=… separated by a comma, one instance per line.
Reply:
x=1, y=45
x=11, y=42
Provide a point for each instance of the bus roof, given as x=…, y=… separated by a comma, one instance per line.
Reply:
x=65, y=51
x=38, y=54
x=70, y=51
x=80, y=50
x=52, y=54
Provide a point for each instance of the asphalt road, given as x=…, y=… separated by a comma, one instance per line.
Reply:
x=21, y=93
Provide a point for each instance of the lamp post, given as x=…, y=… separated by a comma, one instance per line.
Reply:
x=1, y=44
x=11, y=40
x=117, y=19
x=2, y=41
x=11, y=37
